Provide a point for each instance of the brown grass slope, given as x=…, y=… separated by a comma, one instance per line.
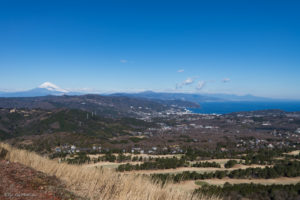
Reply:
x=98, y=184
x=18, y=182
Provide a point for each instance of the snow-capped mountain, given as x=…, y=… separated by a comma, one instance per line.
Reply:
x=51, y=87
x=44, y=89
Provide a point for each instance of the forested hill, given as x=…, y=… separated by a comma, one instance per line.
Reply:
x=108, y=106
x=38, y=122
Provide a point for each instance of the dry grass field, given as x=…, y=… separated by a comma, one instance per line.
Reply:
x=97, y=184
x=293, y=153
x=106, y=165
x=192, y=169
x=113, y=165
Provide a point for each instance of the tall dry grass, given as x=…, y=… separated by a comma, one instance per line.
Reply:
x=98, y=184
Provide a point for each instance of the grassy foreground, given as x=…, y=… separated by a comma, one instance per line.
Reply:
x=97, y=184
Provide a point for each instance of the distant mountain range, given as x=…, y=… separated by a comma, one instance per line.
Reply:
x=48, y=88
x=197, y=98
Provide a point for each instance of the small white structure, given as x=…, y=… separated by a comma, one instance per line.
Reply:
x=73, y=148
x=266, y=124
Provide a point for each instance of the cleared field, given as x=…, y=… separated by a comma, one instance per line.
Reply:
x=192, y=169
x=293, y=153
x=114, y=165
x=198, y=169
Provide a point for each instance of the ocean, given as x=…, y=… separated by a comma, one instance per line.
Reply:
x=229, y=107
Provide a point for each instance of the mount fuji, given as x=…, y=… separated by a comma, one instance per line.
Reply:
x=44, y=89
x=51, y=87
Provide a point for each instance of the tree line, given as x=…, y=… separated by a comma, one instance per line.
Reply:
x=206, y=164
x=284, y=169
x=251, y=191
x=158, y=163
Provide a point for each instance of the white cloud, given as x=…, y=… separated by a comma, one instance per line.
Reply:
x=226, y=80
x=123, y=61
x=200, y=85
x=188, y=81
x=180, y=70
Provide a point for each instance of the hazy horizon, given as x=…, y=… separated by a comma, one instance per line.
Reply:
x=91, y=91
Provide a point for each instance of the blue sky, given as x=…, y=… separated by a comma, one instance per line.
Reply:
x=239, y=47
